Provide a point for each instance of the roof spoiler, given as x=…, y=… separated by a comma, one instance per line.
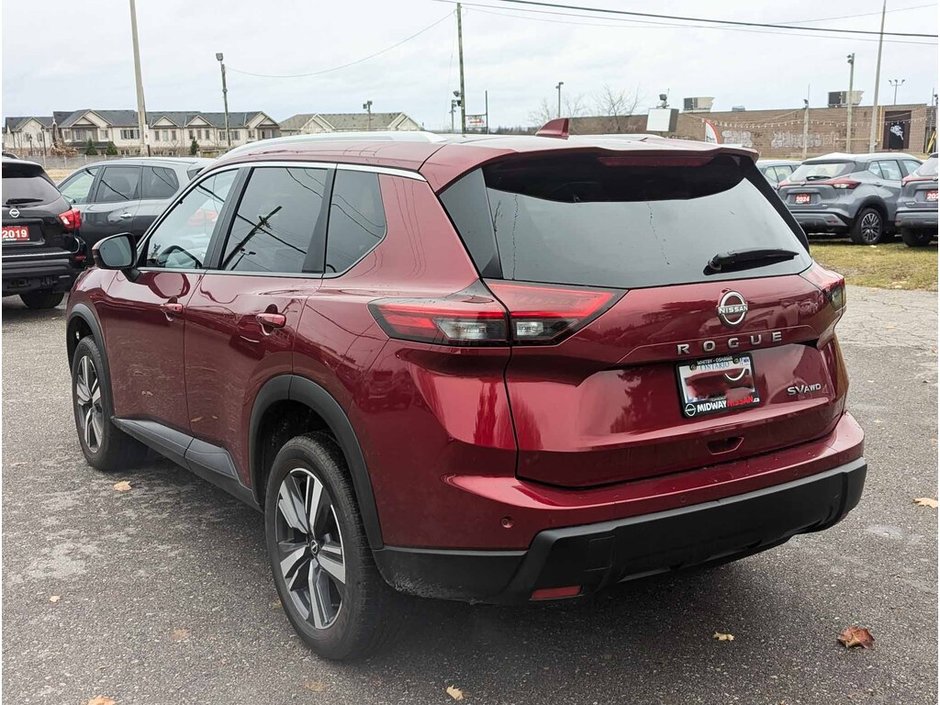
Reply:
x=554, y=128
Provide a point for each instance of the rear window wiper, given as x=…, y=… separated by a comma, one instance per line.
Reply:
x=817, y=177
x=21, y=201
x=736, y=260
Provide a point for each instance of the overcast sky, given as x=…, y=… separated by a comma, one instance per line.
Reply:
x=63, y=55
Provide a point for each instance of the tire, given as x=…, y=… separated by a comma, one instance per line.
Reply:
x=42, y=299
x=105, y=446
x=914, y=238
x=868, y=228
x=355, y=612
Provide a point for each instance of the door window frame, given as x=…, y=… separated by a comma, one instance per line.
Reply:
x=95, y=170
x=897, y=165
x=100, y=178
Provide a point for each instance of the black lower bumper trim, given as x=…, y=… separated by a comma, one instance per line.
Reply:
x=596, y=555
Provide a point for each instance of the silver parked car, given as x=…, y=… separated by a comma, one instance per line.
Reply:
x=916, y=218
x=777, y=170
x=126, y=195
x=848, y=193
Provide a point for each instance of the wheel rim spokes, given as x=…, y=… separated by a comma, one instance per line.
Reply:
x=871, y=226
x=311, y=548
x=88, y=401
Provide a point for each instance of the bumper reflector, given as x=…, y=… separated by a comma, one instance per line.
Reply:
x=555, y=593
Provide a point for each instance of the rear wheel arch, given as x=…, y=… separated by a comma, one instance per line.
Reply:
x=289, y=405
x=82, y=323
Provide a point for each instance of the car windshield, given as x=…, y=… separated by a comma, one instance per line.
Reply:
x=928, y=168
x=816, y=171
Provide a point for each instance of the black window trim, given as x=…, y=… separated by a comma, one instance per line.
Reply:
x=334, y=275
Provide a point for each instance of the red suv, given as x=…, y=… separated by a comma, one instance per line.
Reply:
x=491, y=369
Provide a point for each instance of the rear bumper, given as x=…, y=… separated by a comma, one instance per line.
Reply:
x=596, y=555
x=822, y=221
x=917, y=220
x=25, y=274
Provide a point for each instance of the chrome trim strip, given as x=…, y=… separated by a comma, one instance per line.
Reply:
x=39, y=256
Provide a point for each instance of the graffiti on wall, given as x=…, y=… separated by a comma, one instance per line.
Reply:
x=742, y=137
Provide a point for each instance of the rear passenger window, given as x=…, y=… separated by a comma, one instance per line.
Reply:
x=159, y=182
x=118, y=183
x=891, y=170
x=911, y=165
x=275, y=221
x=875, y=169
x=357, y=219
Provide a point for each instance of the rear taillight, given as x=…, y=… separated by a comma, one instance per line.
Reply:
x=540, y=314
x=783, y=183
x=843, y=183
x=72, y=220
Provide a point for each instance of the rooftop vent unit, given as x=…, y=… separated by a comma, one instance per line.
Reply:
x=738, y=108
x=701, y=104
x=840, y=99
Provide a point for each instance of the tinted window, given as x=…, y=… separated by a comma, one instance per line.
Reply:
x=357, y=219
x=822, y=170
x=27, y=186
x=118, y=183
x=77, y=188
x=586, y=221
x=928, y=168
x=275, y=221
x=911, y=165
x=182, y=238
x=159, y=182
x=891, y=170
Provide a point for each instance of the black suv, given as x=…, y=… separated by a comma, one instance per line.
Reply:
x=42, y=253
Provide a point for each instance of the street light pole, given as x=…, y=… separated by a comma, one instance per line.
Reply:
x=848, y=116
x=228, y=133
x=463, y=91
x=367, y=106
x=141, y=110
x=805, y=125
x=874, y=108
x=558, y=88
x=895, y=83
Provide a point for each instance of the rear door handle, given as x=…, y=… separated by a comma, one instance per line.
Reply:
x=171, y=309
x=125, y=216
x=271, y=320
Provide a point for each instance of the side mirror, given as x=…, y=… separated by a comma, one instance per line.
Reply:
x=115, y=252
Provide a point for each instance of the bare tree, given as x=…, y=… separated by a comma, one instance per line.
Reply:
x=617, y=104
x=572, y=106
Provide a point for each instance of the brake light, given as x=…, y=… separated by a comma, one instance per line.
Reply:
x=843, y=183
x=657, y=160
x=783, y=183
x=540, y=314
x=72, y=220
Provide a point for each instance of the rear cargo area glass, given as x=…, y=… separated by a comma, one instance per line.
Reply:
x=620, y=222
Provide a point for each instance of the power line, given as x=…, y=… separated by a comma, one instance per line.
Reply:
x=706, y=20
x=626, y=23
x=347, y=65
x=864, y=14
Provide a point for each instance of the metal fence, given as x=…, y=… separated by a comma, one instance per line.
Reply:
x=73, y=162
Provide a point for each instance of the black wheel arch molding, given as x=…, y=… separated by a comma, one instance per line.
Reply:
x=88, y=316
x=292, y=387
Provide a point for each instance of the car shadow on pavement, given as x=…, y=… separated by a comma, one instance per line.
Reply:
x=15, y=310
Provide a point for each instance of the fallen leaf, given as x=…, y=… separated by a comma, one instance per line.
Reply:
x=723, y=637
x=276, y=605
x=179, y=634
x=122, y=486
x=454, y=692
x=926, y=502
x=315, y=686
x=856, y=636
x=54, y=598
x=101, y=700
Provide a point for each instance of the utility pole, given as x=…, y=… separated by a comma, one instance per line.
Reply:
x=558, y=88
x=463, y=92
x=367, y=106
x=141, y=110
x=486, y=110
x=895, y=83
x=228, y=133
x=805, y=124
x=848, y=115
x=874, y=108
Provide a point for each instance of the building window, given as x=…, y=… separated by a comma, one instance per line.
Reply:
x=192, y=134
x=174, y=135
x=251, y=134
x=166, y=135
x=222, y=135
x=132, y=134
x=103, y=135
x=236, y=135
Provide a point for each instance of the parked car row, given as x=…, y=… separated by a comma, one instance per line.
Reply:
x=48, y=231
x=869, y=197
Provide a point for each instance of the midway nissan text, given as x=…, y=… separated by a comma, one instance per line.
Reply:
x=490, y=369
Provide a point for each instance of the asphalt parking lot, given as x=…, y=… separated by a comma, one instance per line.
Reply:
x=164, y=593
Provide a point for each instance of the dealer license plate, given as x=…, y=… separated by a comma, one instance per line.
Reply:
x=15, y=233
x=717, y=385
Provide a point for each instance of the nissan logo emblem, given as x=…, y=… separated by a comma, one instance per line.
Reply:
x=14, y=213
x=732, y=308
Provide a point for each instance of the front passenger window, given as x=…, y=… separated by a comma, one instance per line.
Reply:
x=181, y=240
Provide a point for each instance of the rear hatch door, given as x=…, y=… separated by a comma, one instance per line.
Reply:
x=31, y=208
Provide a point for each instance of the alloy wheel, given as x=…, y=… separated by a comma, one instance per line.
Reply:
x=310, y=548
x=88, y=400
x=871, y=227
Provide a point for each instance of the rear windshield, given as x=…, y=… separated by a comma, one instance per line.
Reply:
x=822, y=170
x=27, y=186
x=597, y=221
x=928, y=168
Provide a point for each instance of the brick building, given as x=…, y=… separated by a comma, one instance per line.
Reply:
x=779, y=133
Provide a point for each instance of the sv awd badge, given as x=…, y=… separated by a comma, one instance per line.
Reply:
x=799, y=390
